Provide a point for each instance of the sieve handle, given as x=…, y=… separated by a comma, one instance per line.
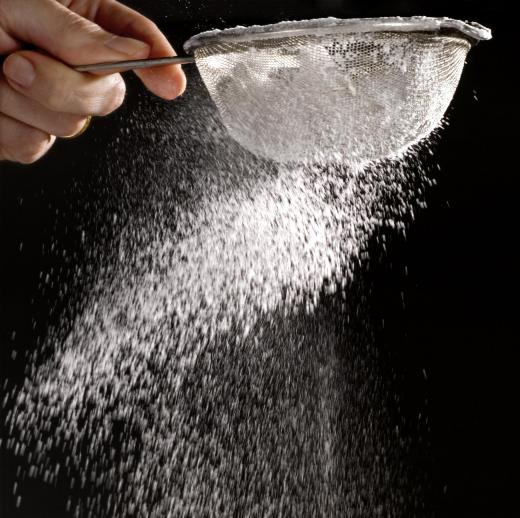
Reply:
x=136, y=63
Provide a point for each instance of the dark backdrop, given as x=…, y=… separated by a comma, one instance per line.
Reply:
x=443, y=299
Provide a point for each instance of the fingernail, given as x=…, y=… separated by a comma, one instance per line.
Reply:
x=19, y=70
x=128, y=46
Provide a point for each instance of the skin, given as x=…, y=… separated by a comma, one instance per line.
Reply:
x=41, y=96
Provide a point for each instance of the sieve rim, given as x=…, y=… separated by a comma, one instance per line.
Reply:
x=472, y=31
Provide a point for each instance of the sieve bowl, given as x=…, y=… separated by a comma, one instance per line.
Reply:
x=357, y=89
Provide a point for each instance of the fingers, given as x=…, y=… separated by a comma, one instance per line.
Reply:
x=168, y=81
x=17, y=106
x=50, y=26
x=81, y=41
x=40, y=96
x=22, y=143
x=7, y=43
x=59, y=88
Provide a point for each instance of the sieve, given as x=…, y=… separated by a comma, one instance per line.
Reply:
x=330, y=89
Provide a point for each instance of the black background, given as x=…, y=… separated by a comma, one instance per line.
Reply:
x=443, y=298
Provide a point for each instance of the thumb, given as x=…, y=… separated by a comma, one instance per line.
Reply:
x=64, y=34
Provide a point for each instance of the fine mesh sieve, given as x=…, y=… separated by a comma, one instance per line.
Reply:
x=330, y=89
x=325, y=89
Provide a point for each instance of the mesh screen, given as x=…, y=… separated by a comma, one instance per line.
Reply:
x=347, y=96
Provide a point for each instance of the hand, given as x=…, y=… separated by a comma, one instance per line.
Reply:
x=41, y=97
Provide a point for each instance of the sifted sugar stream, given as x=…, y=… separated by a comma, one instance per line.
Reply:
x=201, y=375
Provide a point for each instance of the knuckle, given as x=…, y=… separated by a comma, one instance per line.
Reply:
x=113, y=98
x=99, y=97
x=72, y=24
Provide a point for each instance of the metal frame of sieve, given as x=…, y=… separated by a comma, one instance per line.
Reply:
x=471, y=31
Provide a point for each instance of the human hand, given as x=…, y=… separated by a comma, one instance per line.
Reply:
x=41, y=96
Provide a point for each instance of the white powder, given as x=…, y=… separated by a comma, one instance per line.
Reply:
x=180, y=390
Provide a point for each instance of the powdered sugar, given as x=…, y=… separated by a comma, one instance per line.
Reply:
x=187, y=382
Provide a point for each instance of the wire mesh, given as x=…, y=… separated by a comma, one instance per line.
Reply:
x=333, y=97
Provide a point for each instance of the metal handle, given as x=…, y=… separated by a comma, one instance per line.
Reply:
x=137, y=63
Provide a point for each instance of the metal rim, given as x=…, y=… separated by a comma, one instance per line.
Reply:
x=472, y=31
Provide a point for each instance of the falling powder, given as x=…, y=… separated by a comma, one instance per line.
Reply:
x=200, y=376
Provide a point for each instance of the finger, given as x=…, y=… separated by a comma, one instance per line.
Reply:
x=19, y=107
x=22, y=143
x=167, y=81
x=65, y=34
x=7, y=43
x=61, y=89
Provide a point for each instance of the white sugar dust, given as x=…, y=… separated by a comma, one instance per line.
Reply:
x=200, y=375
